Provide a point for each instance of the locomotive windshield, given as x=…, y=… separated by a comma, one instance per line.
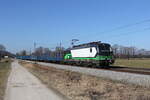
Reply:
x=105, y=49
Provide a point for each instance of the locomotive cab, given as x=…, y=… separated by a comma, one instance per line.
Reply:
x=105, y=51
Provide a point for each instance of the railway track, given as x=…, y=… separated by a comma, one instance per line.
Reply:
x=143, y=71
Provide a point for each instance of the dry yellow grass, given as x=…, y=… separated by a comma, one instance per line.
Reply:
x=4, y=73
x=139, y=63
x=77, y=86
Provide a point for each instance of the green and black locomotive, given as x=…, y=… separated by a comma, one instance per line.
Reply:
x=94, y=53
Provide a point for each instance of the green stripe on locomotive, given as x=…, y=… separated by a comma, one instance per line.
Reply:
x=68, y=56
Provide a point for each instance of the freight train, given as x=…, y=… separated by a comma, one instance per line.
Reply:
x=89, y=54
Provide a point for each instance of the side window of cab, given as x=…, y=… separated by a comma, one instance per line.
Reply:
x=90, y=50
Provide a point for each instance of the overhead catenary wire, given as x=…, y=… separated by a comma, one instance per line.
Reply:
x=126, y=26
x=121, y=28
x=116, y=29
x=128, y=33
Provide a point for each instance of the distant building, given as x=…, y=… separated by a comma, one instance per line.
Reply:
x=6, y=57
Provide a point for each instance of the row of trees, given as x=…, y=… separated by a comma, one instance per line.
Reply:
x=129, y=52
x=3, y=52
x=40, y=51
x=119, y=52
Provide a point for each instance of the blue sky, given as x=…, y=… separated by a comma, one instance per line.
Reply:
x=49, y=22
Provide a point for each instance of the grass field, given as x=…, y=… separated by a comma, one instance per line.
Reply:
x=139, y=63
x=4, y=72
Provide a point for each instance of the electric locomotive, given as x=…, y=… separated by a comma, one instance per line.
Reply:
x=94, y=53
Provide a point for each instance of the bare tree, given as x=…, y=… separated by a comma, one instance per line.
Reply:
x=115, y=49
x=23, y=53
x=2, y=47
x=39, y=51
x=47, y=51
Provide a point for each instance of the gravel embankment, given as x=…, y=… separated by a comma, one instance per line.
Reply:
x=137, y=79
